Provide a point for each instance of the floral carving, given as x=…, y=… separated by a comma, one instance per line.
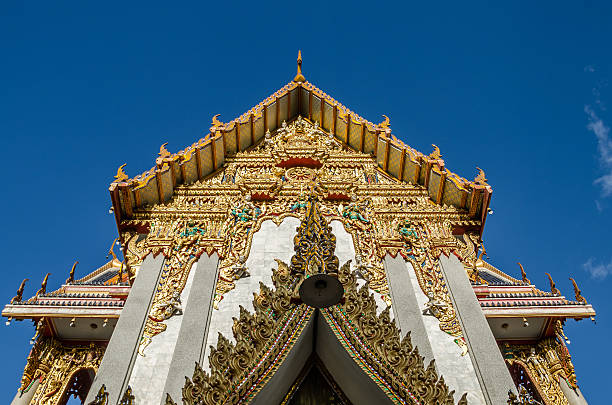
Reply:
x=264, y=338
x=546, y=363
x=54, y=363
x=420, y=251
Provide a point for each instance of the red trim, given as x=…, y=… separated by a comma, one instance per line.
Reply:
x=301, y=162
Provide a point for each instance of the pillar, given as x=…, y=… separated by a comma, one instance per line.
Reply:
x=191, y=341
x=574, y=396
x=491, y=370
x=26, y=397
x=406, y=309
x=118, y=360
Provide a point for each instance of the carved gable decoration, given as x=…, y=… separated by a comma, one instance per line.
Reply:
x=265, y=338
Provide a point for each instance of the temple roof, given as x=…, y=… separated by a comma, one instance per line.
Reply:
x=297, y=98
x=99, y=293
x=503, y=295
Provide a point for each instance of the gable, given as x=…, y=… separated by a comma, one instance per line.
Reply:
x=297, y=99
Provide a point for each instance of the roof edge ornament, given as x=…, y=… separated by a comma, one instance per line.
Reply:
x=299, y=77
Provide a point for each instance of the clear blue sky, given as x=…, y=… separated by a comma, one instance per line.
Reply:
x=511, y=89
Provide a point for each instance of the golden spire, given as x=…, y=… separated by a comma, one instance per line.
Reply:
x=70, y=278
x=553, y=289
x=577, y=292
x=299, y=77
x=523, y=274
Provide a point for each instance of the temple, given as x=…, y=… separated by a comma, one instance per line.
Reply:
x=298, y=254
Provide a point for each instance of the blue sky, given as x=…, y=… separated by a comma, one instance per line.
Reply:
x=520, y=90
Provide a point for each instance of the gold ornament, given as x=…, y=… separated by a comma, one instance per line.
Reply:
x=17, y=298
x=55, y=363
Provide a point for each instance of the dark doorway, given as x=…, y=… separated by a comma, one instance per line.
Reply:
x=315, y=386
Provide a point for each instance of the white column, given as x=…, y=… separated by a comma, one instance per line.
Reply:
x=118, y=360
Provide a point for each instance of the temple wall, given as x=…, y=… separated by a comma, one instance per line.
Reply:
x=150, y=372
x=269, y=243
x=457, y=370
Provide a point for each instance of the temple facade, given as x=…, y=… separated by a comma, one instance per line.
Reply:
x=298, y=254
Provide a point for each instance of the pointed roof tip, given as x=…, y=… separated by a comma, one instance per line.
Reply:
x=299, y=77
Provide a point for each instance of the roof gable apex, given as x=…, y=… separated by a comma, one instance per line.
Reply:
x=293, y=100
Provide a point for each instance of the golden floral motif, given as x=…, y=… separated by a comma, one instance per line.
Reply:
x=546, y=363
x=423, y=244
x=54, y=363
x=180, y=256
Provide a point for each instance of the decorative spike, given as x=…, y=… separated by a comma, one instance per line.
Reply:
x=299, y=77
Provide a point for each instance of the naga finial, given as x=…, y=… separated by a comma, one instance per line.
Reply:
x=19, y=296
x=553, y=288
x=216, y=124
x=299, y=77
x=121, y=176
x=385, y=123
x=436, y=153
x=480, y=178
x=70, y=278
x=111, y=252
x=163, y=152
x=577, y=292
x=43, y=286
x=524, y=274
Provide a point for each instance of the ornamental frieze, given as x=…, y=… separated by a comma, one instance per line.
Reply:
x=271, y=182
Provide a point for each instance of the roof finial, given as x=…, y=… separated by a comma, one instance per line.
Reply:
x=578, y=293
x=553, y=288
x=70, y=278
x=524, y=274
x=480, y=178
x=299, y=77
